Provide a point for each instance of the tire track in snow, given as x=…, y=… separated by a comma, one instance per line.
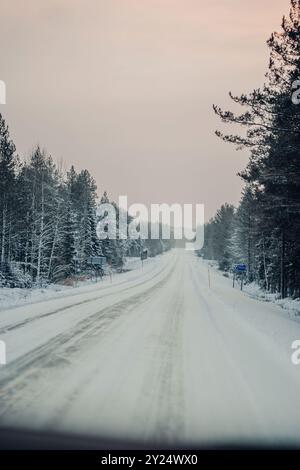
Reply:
x=162, y=391
x=25, y=370
x=25, y=322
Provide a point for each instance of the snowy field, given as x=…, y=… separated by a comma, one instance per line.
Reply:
x=156, y=354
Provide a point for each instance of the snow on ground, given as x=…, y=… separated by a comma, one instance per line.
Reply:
x=256, y=292
x=291, y=305
x=15, y=297
x=163, y=355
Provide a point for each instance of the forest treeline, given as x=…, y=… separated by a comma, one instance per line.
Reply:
x=48, y=221
x=263, y=231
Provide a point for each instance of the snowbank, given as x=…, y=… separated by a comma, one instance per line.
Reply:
x=12, y=297
x=256, y=292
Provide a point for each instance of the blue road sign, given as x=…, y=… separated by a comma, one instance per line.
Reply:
x=240, y=268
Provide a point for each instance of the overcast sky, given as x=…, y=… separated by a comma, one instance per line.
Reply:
x=125, y=88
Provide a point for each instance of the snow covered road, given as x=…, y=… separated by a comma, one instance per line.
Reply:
x=156, y=355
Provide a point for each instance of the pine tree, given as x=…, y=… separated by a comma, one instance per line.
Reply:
x=273, y=136
x=217, y=238
x=8, y=168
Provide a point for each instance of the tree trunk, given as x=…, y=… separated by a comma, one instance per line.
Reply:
x=282, y=267
x=40, y=245
x=53, y=244
x=265, y=266
x=3, y=234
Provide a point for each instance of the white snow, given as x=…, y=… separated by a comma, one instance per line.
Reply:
x=15, y=297
x=291, y=305
x=157, y=354
x=255, y=291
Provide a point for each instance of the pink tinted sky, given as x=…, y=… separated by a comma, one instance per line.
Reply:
x=125, y=88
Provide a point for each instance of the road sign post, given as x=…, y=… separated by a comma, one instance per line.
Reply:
x=144, y=255
x=240, y=271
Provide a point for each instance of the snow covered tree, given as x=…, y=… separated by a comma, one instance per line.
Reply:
x=48, y=220
x=8, y=168
x=243, y=239
x=218, y=235
x=272, y=124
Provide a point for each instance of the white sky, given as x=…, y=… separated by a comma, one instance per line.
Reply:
x=125, y=89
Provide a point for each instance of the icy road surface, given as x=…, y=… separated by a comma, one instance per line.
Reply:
x=155, y=355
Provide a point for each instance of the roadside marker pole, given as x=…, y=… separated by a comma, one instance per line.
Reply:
x=110, y=272
x=208, y=273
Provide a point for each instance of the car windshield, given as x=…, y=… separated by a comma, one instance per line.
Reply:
x=149, y=273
